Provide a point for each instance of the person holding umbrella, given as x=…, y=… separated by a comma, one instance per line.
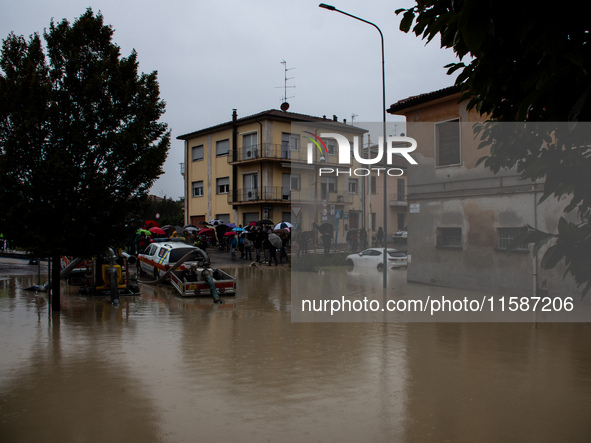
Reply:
x=283, y=251
x=274, y=244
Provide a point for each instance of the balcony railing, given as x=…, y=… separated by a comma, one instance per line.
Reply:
x=284, y=194
x=265, y=151
x=397, y=200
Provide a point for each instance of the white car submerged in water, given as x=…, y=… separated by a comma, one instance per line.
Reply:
x=373, y=257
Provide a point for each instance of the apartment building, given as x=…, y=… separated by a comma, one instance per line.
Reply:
x=261, y=167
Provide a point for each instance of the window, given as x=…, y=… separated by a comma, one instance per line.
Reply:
x=447, y=143
x=178, y=253
x=449, y=238
x=222, y=185
x=222, y=147
x=401, y=192
x=290, y=142
x=251, y=185
x=505, y=236
x=374, y=220
x=250, y=146
x=328, y=185
x=352, y=186
x=331, y=147
x=223, y=217
x=197, y=153
x=295, y=182
x=249, y=217
x=373, y=184
x=197, y=188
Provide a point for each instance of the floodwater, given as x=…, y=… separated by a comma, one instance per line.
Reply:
x=159, y=368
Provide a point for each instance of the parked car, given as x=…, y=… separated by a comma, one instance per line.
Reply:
x=400, y=236
x=373, y=257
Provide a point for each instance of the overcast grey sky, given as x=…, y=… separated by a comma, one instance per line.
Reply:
x=213, y=56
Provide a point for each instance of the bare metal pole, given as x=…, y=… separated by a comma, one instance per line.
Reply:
x=385, y=255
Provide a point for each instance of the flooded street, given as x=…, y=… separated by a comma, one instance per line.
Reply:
x=159, y=368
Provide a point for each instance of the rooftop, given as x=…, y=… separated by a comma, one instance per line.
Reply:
x=416, y=100
x=272, y=114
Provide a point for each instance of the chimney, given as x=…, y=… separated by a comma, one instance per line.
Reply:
x=334, y=118
x=234, y=115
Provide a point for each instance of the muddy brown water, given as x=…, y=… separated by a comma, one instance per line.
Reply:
x=159, y=368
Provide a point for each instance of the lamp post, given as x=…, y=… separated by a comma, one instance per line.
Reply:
x=385, y=255
x=322, y=160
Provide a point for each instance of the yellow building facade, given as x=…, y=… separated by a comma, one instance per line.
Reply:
x=262, y=167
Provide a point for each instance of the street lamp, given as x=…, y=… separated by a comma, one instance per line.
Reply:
x=385, y=257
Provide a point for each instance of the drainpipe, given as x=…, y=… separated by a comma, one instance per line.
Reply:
x=187, y=183
x=261, y=165
x=234, y=157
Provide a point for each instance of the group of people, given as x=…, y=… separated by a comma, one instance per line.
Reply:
x=142, y=240
x=264, y=242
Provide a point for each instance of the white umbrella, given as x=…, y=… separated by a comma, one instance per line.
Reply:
x=282, y=225
x=216, y=222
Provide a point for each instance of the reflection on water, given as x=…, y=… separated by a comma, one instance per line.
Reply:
x=165, y=369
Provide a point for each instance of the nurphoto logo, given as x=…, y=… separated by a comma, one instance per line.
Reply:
x=395, y=145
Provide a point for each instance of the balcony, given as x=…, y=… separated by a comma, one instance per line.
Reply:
x=281, y=194
x=258, y=195
x=265, y=151
x=397, y=200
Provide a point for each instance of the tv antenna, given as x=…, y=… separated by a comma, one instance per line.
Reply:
x=284, y=104
x=353, y=118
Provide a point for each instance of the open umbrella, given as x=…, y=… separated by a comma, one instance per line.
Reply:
x=275, y=240
x=157, y=231
x=264, y=222
x=208, y=232
x=143, y=231
x=227, y=234
x=231, y=225
x=238, y=230
x=216, y=222
x=169, y=229
x=191, y=229
x=151, y=224
x=282, y=225
x=326, y=228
